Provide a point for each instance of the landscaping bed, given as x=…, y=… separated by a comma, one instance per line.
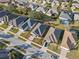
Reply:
x=25, y=34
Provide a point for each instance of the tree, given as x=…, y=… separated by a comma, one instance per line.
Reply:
x=1, y=7
x=36, y=15
x=12, y=55
x=48, y=5
x=11, y=8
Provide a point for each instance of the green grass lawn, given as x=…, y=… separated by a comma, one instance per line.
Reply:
x=2, y=46
x=4, y=25
x=56, y=24
x=14, y=30
x=38, y=41
x=25, y=34
x=54, y=47
x=60, y=26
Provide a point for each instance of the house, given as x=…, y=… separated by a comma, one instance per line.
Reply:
x=21, y=1
x=7, y=17
x=40, y=30
x=52, y=11
x=3, y=16
x=41, y=9
x=54, y=3
x=33, y=6
x=66, y=17
x=5, y=2
x=43, y=3
x=48, y=1
x=54, y=35
x=68, y=41
x=75, y=7
x=11, y=18
x=19, y=21
x=76, y=17
x=29, y=24
x=64, y=5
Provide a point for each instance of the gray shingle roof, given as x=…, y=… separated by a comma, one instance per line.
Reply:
x=65, y=15
x=3, y=13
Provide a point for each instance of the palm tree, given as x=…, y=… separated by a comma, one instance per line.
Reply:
x=12, y=55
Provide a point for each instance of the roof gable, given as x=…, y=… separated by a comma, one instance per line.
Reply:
x=3, y=13
x=67, y=15
x=20, y=19
x=40, y=30
x=12, y=16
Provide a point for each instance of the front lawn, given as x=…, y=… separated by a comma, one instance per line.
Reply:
x=38, y=41
x=54, y=47
x=5, y=26
x=14, y=30
x=25, y=34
